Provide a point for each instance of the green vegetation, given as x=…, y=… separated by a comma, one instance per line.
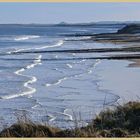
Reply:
x=123, y=121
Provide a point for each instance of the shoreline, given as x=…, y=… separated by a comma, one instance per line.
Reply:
x=135, y=63
x=121, y=80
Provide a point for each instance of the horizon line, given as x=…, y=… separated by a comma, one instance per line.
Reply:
x=65, y=23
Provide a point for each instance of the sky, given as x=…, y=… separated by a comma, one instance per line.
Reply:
x=47, y=13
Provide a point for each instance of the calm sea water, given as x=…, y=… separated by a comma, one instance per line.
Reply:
x=54, y=88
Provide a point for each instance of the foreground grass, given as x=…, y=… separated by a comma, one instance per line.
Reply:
x=123, y=121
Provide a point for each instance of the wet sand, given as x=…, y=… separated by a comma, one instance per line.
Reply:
x=135, y=63
x=119, y=72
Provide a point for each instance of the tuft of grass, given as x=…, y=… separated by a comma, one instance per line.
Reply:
x=23, y=129
x=121, y=122
x=124, y=121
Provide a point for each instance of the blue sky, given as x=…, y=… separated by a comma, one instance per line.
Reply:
x=68, y=12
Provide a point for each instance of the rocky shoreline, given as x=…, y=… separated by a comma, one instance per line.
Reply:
x=126, y=35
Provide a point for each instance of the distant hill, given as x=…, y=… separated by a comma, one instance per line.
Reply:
x=130, y=29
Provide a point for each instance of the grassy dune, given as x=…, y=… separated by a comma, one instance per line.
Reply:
x=122, y=121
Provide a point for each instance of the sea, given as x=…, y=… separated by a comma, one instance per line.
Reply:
x=41, y=82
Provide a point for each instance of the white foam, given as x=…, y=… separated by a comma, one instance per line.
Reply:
x=48, y=85
x=37, y=61
x=73, y=54
x=30, y=66
x=19, y=71
x=83, y=60
x=60, y=80
x=24, y=37
x=56, y=56
x=57, y=83
x=32, y=80
x=52, y=118
x=69, y=65
x=35, y=106
x=98, y=61
x=90, y=71
x=59, y=43
x=70, y=116
x=78, y=38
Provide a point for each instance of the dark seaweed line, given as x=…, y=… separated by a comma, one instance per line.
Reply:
x=121, y=57
x=127, y=49
x=100, y=50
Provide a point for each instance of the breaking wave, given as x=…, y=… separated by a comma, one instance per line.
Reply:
x=59, y=43
x=24, y=37
x=32, y=79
